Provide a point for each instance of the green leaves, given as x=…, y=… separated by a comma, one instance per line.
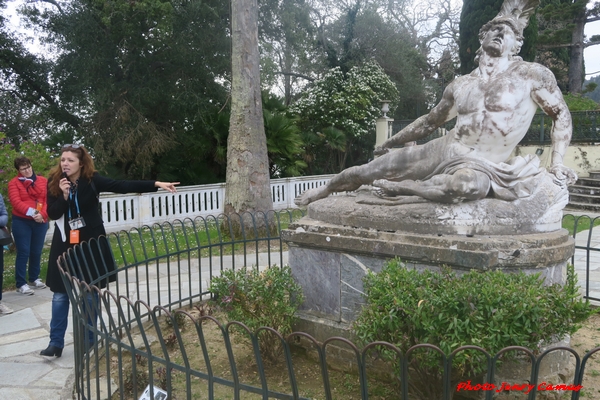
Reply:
x=144, y=77
x=339, y=109
x=489, y=309
x=269, y=298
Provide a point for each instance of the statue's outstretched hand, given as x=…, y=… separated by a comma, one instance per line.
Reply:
x=563, y=176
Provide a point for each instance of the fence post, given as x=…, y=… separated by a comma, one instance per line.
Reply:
x=144, y=216
x=542, y=130
x=289, y=193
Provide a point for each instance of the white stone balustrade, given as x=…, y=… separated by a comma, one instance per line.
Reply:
x=123, y=212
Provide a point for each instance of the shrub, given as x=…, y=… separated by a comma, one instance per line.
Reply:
x=489, y=309
x=269, y=298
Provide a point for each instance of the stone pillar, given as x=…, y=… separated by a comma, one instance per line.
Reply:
x=382, y=129
x=382, y=125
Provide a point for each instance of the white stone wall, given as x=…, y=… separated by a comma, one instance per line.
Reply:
x=582, y=158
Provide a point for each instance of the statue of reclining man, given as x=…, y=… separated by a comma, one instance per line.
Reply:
x=493, y=106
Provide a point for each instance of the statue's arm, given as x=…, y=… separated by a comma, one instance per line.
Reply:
x=426, y=124
x=548, y=96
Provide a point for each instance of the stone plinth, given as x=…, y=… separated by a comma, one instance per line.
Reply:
x=538, y=213
x=329, y=261
x=344, y=236
x=341, y=239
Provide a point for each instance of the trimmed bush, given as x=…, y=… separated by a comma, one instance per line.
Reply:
x=489, y=309
x=269, y=298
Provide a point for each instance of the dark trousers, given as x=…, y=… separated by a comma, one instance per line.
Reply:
x=1, y=270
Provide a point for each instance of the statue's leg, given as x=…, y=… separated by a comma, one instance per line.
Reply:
x=347, y=180
x=413, y=162
x=463, y=185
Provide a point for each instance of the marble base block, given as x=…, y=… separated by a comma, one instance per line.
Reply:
x=329, y=261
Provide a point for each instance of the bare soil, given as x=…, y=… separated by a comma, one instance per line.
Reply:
x=584, y=340
x=307, y=372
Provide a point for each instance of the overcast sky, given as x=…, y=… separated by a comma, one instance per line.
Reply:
x=591, y=55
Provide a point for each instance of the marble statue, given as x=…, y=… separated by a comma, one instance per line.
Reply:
x=494, y=106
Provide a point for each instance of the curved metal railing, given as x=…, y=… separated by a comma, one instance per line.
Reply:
x=150, y=328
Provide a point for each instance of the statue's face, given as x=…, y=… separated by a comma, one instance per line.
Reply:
x=499, y=41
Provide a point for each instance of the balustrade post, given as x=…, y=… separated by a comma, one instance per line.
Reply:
x=382, y=125
x=145, y=211
x=289, y=196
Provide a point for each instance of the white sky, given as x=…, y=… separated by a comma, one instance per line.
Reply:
x=591, y=54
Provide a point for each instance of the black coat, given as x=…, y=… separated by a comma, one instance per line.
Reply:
x=88, y=206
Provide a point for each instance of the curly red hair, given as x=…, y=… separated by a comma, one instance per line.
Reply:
x=87, y=168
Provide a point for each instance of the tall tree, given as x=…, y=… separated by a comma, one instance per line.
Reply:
x=431, y=27
x=337, y=115
x=28, y=98
x=247, y=186
x=287, y=48
x=562, y=24
x=143, y=77
x=374, y=31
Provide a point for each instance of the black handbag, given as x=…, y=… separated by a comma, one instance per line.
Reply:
x=5, y=236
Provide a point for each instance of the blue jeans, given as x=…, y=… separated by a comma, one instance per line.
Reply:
x=29, y=240
x=1, y=269
x=60, y=319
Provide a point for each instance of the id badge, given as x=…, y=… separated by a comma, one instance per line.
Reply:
x=76, y=223
x=74, y=237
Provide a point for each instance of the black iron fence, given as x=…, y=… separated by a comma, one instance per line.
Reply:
x=586, y=128
x=149, y=329
x=586, y=235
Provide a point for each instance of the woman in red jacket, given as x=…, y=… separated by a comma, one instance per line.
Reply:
x=27, y=194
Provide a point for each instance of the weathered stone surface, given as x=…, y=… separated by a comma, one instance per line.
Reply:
x=478, y=252
x=329, y=262
x=541, y=212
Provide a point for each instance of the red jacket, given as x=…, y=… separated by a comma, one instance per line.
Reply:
x=23, y=195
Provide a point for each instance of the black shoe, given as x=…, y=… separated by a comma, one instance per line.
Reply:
x=51, y=351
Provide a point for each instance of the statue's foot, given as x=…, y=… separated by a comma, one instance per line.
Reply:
x=311, y=195
x=383, y=187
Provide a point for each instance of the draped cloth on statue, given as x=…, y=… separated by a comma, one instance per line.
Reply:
x=515, y=179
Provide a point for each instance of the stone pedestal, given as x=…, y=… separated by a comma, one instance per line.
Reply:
x=341, y=239
x=329, y=261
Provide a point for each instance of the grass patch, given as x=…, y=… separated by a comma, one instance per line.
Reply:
x=209, y=238
x=576, y=224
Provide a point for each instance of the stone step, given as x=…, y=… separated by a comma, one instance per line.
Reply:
x=588, y=181
x=573, y=205
x=584, y=198
x=594, y=174
x=583, y=189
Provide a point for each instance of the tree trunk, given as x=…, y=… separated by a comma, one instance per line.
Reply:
x=287, y=66
x=247, y=186
x=576, y=60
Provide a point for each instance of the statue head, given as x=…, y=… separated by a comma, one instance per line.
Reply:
x=515, y=14
x=508, y=22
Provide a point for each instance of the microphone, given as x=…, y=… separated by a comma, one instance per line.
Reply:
x=64, y=174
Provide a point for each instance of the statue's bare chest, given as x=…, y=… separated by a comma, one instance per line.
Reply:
x=501, y=95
